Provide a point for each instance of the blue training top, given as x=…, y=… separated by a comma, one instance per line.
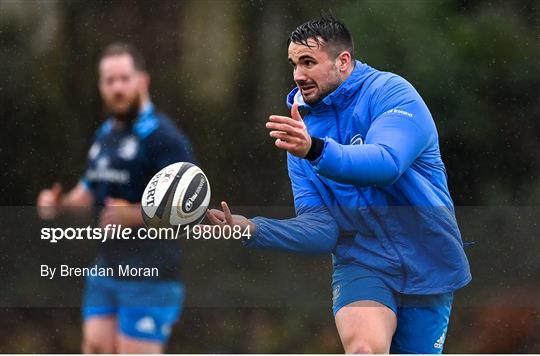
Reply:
x=377, y=195
x=121, y=161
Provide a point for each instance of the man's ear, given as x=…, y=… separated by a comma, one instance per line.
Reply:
x=344, y=61
x=145, y=80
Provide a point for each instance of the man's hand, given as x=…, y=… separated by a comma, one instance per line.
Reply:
x=223, y=218
x=49, y=201
x=290, y=132
x=120, y=212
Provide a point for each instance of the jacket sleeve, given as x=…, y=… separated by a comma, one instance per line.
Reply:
x=312, y=231
x=398, y=135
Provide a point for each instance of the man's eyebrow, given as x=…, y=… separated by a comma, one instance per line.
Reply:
x=305, y=56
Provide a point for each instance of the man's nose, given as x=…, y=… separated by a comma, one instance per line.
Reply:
x=117, y=86
x=299, y=75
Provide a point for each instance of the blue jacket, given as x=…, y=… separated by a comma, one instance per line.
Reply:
x=377, y=196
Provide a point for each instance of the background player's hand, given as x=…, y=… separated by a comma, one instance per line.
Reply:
x=48, y=202
x=290, y=132
x=225, y=217
x=120, y=212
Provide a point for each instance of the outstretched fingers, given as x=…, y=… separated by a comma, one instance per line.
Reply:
x=284, y=137
x=285, y=145
x=295, y=113
x=221, y=218
x=216, y=217
x=227, y=213
x=276, y=119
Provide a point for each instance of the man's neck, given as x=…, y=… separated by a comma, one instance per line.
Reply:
x=145, y=101
x=143, y=105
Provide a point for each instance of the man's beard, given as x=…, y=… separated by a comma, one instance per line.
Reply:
x=128, y=115
x=323, y=93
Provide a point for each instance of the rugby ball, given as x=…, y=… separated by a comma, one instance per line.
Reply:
x=178, y=194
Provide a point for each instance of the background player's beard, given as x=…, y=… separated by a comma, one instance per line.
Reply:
x=128, y=115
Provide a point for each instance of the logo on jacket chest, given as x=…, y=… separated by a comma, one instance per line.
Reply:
x=128, y=148
x=357, y=140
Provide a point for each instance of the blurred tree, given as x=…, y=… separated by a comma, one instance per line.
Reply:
x=478, y=69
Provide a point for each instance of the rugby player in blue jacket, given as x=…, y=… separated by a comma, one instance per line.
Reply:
x=126, y=315
x=369, y=186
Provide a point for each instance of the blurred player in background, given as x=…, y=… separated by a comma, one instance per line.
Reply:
x=369, y=186
x=126, y=316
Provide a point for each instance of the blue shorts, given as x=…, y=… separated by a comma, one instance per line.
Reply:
x=422, y=320
x=145, y=310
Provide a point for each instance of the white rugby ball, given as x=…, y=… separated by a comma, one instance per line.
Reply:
x=178, y=194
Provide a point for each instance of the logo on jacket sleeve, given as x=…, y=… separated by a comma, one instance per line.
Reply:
x=440, y=342
x=398, y=111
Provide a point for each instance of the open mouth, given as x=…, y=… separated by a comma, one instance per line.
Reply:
x=308, y=89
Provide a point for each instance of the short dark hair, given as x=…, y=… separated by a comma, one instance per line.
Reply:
x=121, y=48
x=333, y=33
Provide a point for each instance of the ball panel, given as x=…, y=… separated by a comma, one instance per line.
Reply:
x=148, y=200
x=164, y=209
x=178, y=194
x=195, y=193
x=157, y=187
x=190, y=183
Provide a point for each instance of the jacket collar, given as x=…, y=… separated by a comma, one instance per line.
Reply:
x=145, y=111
